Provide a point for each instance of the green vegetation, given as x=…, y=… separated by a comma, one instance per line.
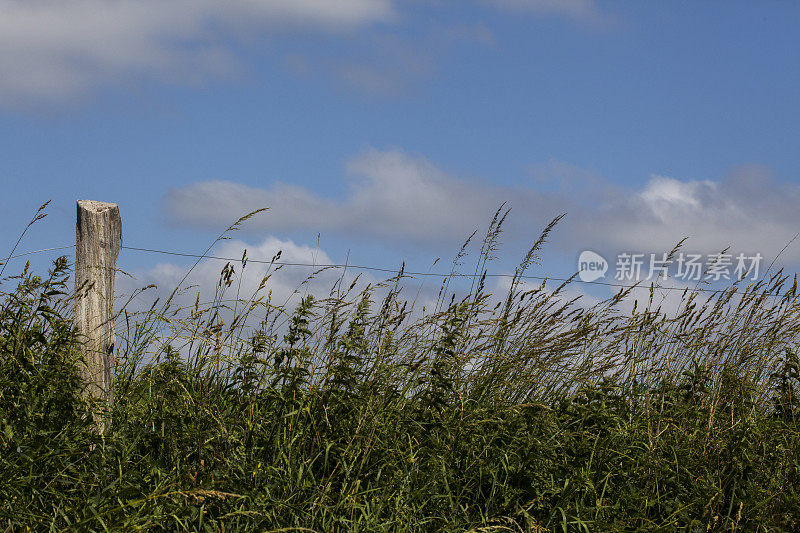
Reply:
x=352, y=413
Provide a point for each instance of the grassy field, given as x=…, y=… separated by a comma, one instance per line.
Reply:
x=350, y=412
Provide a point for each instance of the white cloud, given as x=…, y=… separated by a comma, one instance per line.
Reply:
x=747, y=210
x=391, y=195
x=665, y=195
x=397, y=197
x=286, y=284
x=53, y=49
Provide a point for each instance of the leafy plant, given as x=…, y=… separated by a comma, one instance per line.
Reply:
x=523, y=411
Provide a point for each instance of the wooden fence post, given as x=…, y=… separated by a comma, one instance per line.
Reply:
x=98, y=240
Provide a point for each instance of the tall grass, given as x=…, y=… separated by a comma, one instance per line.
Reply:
x=353, y=411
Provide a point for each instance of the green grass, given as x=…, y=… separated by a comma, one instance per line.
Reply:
x=350, y=412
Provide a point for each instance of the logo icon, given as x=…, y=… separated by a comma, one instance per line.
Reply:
x=591, y=266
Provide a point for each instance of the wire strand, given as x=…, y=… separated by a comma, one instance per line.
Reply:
x=427, y=274
x=40, y=251
x=388, y=270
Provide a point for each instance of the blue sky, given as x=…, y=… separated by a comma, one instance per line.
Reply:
x=392, y=129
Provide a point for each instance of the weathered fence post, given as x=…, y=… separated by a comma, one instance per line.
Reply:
x=98, y=240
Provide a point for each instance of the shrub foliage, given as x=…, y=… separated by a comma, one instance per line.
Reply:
x=355, y=412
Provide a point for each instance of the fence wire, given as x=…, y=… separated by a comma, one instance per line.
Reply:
x=395, y=271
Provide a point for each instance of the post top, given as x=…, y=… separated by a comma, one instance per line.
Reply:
x=95, y=206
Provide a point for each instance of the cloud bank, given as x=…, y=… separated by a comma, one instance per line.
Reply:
x=390, y=195
x=56, y=49
x=394, y=196
x=748, y=209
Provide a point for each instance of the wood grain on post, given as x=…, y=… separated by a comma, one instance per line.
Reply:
x=98, y=240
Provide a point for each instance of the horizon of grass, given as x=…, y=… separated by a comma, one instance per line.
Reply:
x=349, y=412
